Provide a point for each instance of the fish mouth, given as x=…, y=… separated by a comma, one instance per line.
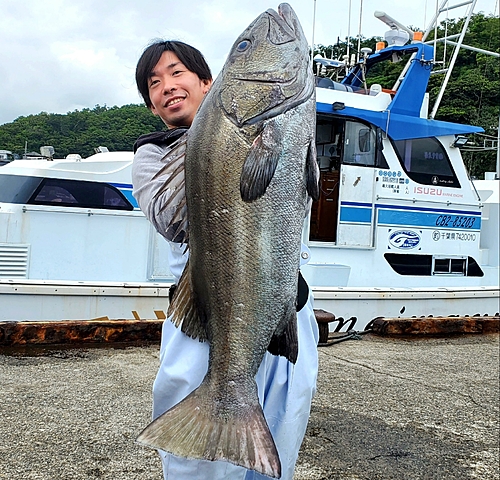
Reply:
x=289, y=103
x=285, y=30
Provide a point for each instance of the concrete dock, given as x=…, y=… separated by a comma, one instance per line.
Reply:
x=386, y=408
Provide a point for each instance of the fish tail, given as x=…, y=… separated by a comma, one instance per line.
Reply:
x=191, y=429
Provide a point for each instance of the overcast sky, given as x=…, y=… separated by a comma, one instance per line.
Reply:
x=57, y=56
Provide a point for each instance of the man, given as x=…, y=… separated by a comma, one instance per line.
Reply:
x=173, y=78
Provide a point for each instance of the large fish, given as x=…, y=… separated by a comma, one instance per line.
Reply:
x=250, y=165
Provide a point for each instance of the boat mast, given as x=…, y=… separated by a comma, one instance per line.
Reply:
x=444, y=7
x=359, y=30
x=314, y=27
x=348, y=60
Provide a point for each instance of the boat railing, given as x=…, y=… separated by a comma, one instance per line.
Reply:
x=432, y=26
x=88, y=212
x=445, y=7
x=448, y=203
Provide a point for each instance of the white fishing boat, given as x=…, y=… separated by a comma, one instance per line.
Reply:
x=5, y=157
x=399, y=230
x=400, y=225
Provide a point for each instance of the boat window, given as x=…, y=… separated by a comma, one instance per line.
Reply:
x=53, y=194
x=365, y=140
x=340, y=141
x=425, y=161
x=82, y=194
x=428, y=265
x=329, y=131
x=359, y=145
x=17, y=188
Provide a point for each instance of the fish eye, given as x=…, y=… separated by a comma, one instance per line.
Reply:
x=243, y=45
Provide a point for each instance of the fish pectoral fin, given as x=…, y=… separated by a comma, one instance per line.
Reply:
x=182, y=310
x=195, y=429
x=260, y=164
x=286, y=344
x=171, y=197
x=312, y=172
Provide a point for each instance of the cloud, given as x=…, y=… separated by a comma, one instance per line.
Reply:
x=60, y=55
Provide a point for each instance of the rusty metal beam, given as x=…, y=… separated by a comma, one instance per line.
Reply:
x=101, y=330
x=105, y=331
x=435, y=325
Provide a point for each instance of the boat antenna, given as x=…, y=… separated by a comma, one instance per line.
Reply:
x=359, y=28
x=314, y=27
x=348, y=60
x=425, y=13
x=472, y=4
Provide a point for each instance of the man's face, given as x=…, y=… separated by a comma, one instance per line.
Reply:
x=175, y=91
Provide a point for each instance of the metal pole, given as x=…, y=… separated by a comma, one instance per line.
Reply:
x=452, y=62
x=359, y=29
x=498, y=150
x=467, y=47
x=348, y=61
x=314, y=27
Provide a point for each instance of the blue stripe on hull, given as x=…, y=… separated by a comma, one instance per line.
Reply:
x=130, y=197
x=429, y=219
x=356, y=215
x=399, y=215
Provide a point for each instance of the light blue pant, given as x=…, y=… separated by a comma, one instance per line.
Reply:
x=285, y=393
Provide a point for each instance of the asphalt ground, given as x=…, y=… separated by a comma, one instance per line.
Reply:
x=386, y=408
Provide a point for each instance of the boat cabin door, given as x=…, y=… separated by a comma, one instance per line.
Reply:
x=357, y=185
x=357, y=210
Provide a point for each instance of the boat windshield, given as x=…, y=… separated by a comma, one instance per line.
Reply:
x=425, y=161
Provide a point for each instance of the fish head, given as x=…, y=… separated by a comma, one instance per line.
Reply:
x=268, y=69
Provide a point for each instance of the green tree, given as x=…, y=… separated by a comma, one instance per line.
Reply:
x=80, y=131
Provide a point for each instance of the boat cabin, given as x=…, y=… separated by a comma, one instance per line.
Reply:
x=395, y=197
x=6, y=156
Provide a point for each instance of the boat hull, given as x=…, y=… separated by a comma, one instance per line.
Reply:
x=76, y=301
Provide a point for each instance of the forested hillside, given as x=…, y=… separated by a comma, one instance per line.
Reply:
x=472, y=96
x=80, y=131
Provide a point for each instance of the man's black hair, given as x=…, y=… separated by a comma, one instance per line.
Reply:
x=192, y=59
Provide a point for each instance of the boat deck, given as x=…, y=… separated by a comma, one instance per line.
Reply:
x=386, y=408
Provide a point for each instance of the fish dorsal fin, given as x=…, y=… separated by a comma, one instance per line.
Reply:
x=260, y=164
x=182, y=310
x=312, y=172
x=173, y=171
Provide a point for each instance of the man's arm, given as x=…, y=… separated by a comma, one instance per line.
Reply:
x=154, y=186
